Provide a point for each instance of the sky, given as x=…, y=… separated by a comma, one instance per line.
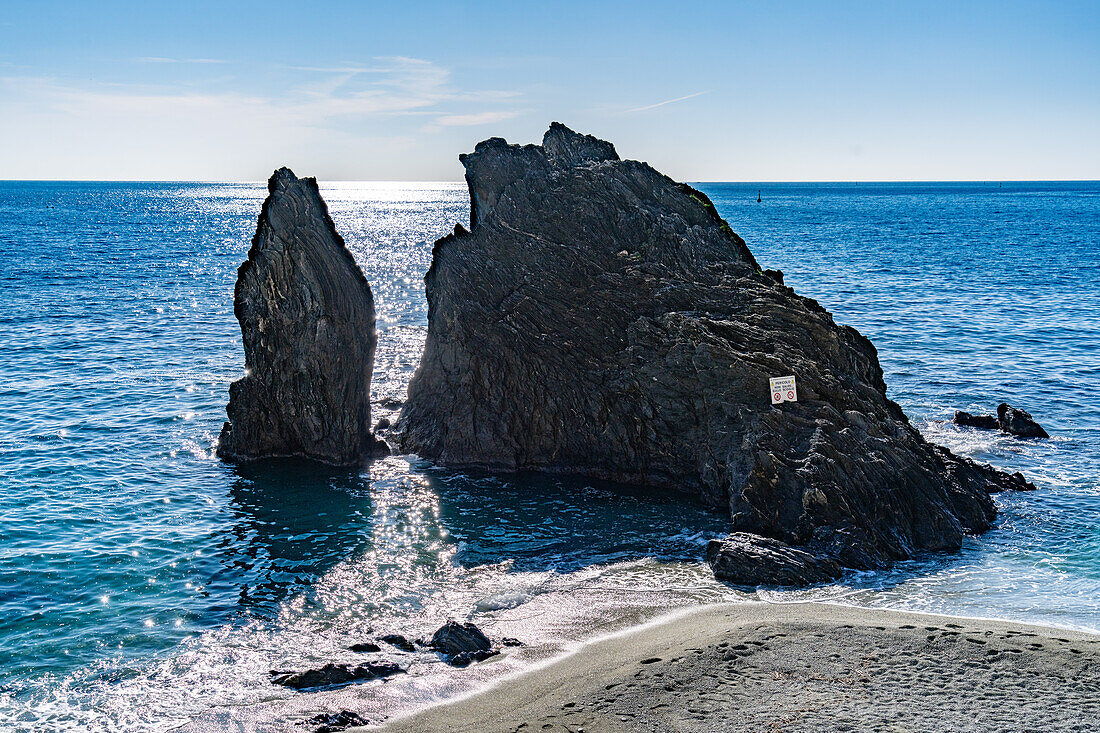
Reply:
x=704, y=91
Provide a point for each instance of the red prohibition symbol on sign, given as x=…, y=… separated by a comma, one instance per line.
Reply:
x=777, y=396
x=790, y=395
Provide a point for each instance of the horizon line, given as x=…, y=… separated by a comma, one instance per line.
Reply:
x=459, y=181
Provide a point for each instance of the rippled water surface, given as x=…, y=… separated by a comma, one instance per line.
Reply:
x=144, y=584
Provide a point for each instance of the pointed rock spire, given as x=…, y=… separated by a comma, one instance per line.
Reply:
x=307, y=322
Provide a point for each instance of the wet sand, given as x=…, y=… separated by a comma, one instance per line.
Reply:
x=797, y=667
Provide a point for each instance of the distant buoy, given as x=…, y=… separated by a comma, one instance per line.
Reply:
x=758, y=199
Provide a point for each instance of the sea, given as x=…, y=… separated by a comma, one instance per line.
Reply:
x=147, y=586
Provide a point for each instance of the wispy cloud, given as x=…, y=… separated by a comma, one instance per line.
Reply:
x=164, y=60
x=668, y=101
x=388, y=86
x=476, y=118
x=381, y=105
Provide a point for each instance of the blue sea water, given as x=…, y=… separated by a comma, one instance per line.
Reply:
x=144, y=585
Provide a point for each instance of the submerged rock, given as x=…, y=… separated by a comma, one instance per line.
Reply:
x=1018, y=422
x=335, y=674
x=985, y=422
x=399, y=641
x=333, y=722
x=748, y=559
x=365, y=646
x=465, y=659
x=307, y=322
x=600, y=319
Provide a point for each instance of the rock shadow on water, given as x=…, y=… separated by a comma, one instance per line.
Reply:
x=539, y=522
x=294, y=520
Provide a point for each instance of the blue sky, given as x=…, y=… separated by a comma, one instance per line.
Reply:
x=742, y=91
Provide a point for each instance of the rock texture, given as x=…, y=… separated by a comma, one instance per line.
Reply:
x=462, y=644
x=966, y=419
x=600, y=319
x=335, y=674
x=748, y=559
x=1018, y=422
x=334, y=722
x=307, y=319
x=399, y=641
x=1008, y=420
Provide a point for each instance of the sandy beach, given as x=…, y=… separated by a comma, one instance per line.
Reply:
x=798, y=667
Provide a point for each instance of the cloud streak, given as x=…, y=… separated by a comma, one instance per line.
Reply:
x=378, y=107
x=165, y=60
x=476, y=118
x=668, y=101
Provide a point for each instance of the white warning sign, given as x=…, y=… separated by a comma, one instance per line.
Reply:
x=783, y=390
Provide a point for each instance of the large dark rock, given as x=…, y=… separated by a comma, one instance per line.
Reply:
x=601, y=319
x=307, y=320
x=335, y=674
x=1018, y=422
x=969, y=420
x=748, y=559
x=455, y=638
x=334, y=722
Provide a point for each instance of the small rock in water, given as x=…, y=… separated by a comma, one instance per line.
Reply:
x=365, y=646
x=465, y=659
x=383, y=424
x=509, y=641
x=335, y=674
x=456, y=638
x=398, y=641
x=1018, y=422
x=748, y=559
x=462, y=644
x=333, y=722
x=985, y=422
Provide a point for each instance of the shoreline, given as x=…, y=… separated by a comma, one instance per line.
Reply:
x=796, y=666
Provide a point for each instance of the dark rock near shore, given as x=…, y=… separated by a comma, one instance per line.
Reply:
x=334, y=722
x=462, y=644
x=748, y=559
x=600, y=319
x=365, y=646
x=456, y=638
x=465, y=659
x=1018, y=422
x=307, y=321
x=399, y=641
x=1008, y=420
x=331, y=675
x=985, y=422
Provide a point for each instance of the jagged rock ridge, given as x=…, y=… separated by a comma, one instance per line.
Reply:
x=600, y=319
x=307, y=321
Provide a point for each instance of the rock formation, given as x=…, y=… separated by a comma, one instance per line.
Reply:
x=332, y=675
x=462, y=644
x=600, y=319
x=968, y=420
x=307, y=319
x=748, y=559
x=1018, y=422
x=1008, y=420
